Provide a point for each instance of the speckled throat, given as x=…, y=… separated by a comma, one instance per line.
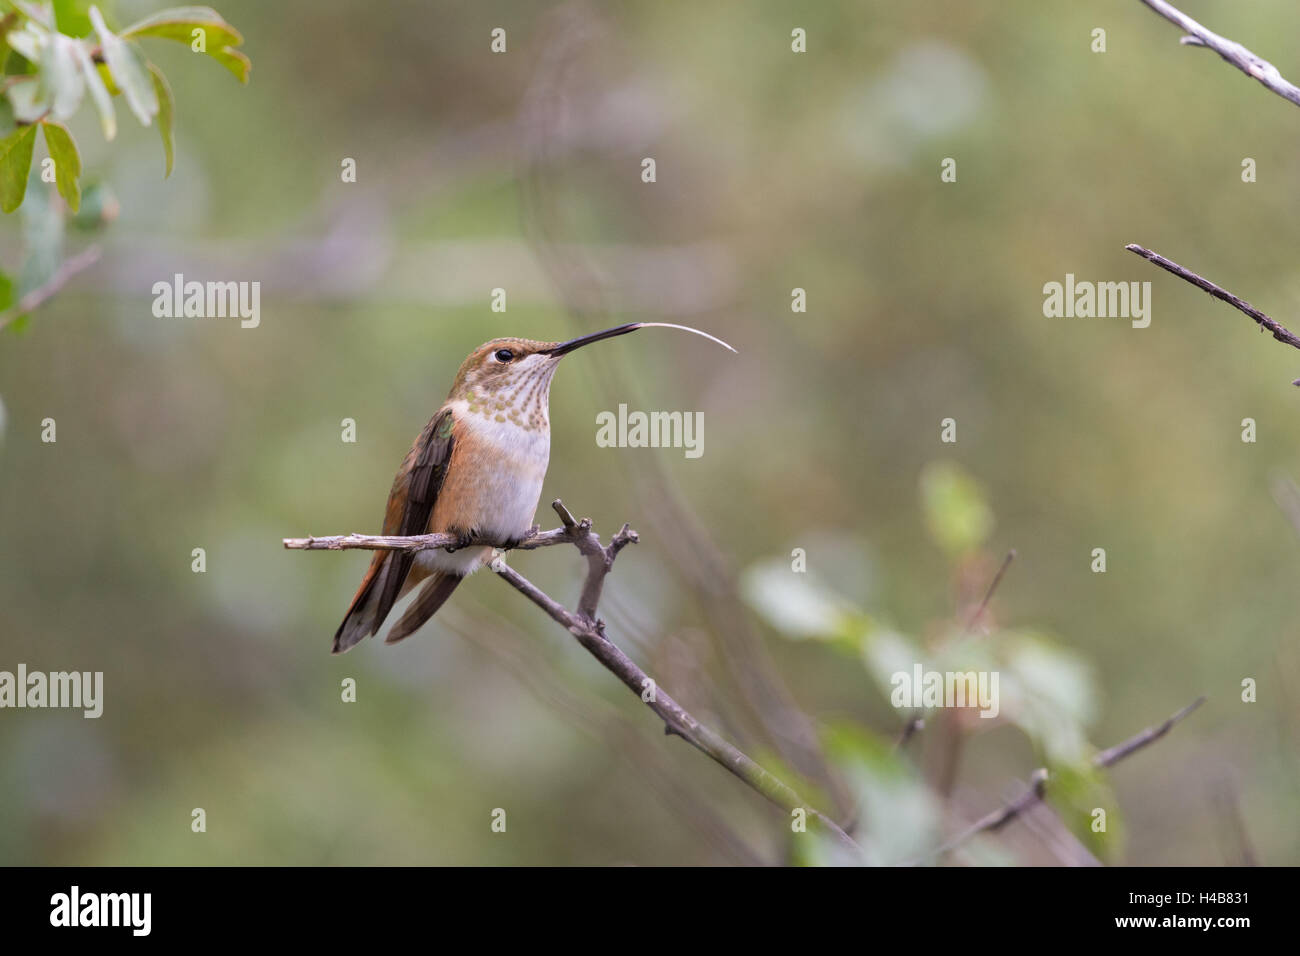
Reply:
x=521, y=398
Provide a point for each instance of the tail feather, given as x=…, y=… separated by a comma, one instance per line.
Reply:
x=362, y=619
x=426, y=603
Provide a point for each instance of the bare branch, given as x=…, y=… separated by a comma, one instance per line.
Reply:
x=1280, y=332
x=915, y=723
x=65, y=273
x=590, y=633
x=422, y=542
x=1229, y=50
x=1108, y=758
x=988, y=595
x=1039, y=778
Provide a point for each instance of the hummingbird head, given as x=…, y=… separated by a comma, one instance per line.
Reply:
x=510, y=379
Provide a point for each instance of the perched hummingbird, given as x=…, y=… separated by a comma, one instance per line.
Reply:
x=475, y=471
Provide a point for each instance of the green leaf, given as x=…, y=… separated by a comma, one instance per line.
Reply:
x=7, y=122
x=16, y=64
x=234, y=61
x=219, y=38
x=30, y=100
x=793, y=603
x=1076, y=792
x=67, y=162
x=61, y=77
x=98, y=93
x=15, y=161
x=885, y=652
x=1050, y=692
x=901, y=819
x=27, y=43
x=179, y=24
x=43, y=229
x=73, y=17
x=955, y=507
x=128, y=69
x=166, y=116
x=107, y=77
x=6, y=291
x=42, y=13
x=99, y=206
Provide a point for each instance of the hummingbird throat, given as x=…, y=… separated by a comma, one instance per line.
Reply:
x=522, y=399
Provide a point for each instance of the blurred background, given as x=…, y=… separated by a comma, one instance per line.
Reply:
x=775, y=171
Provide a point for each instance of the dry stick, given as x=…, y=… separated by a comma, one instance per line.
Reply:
x=1280, y=332
x=69, y=269
x=420, y=542
x=1038, y=780
x=988, y=595
x=589, y=631
x=1229, y=50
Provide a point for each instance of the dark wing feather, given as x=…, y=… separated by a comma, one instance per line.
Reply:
x=410, y=505
x=432, y=452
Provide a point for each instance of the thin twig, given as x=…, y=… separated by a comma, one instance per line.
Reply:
x=1229, y=50
x=915, y=723
x=988, y=595
x=37, y=297
x=589, y=631
x=1280, y=332
x=1038, y=780
x=1108, y=758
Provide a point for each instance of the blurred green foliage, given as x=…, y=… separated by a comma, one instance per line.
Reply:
x=775, y=171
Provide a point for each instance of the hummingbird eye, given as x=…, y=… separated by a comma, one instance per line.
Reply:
x=504, y=355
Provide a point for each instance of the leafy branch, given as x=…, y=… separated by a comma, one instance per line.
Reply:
x=56, y=54
x=589, y=630
x=1038, y=780
x=53, y=58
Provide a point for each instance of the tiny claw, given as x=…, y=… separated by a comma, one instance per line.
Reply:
x=463, y=540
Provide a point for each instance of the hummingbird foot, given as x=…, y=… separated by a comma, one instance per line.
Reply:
x=463, y=540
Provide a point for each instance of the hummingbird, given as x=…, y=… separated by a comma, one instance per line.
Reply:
x=475, y=471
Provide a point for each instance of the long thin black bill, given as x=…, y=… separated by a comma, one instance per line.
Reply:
x=565, y=347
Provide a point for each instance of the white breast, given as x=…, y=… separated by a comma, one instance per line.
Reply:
x=500, y=498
